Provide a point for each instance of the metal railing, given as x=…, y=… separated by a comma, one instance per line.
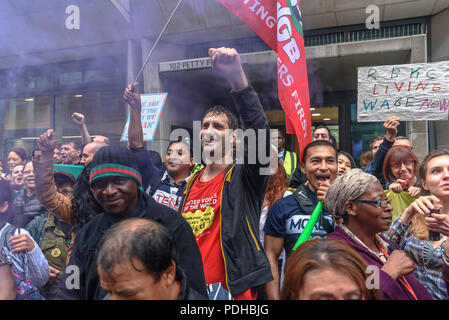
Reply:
x=319, y=38
x=386, y=32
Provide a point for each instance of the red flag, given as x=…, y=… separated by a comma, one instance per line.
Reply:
x=293, y=87
x=279, y=25
x=259, y=15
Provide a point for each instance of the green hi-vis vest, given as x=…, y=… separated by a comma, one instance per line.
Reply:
x=290, y=162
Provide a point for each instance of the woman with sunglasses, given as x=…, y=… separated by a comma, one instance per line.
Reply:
x=359, y=200
x=422, y=229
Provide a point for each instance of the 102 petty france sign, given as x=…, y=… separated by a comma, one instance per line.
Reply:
x=413, y=92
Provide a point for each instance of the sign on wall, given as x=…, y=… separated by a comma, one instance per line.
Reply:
x=412, y=92
x=152, y=105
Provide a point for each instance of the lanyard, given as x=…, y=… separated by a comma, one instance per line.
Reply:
x=401, y=279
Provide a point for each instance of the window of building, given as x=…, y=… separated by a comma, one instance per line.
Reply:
x=36, y=98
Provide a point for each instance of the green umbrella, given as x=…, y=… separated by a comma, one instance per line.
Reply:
x=74, y=170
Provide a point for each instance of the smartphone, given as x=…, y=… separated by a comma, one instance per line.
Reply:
x=436, y=210
x=434, y=236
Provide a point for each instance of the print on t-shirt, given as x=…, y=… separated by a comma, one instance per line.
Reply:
x=167, y=199
x=199, y=213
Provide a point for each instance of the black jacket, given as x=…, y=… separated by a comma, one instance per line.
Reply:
x=298, y=178
x=187, y=293
x=83, y=256
x=246, y=264
x=378, y=162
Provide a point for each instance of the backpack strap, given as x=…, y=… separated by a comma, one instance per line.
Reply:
x=308, y=206
x=156, y=184
x=303, y=200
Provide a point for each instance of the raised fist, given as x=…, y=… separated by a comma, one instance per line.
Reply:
x=47, y=143
x=391, y=127
x=78, y=118
x=132, y=95
x=226, y=61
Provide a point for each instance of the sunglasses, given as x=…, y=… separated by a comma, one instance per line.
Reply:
x=383, y=203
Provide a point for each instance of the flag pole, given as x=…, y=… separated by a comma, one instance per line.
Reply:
x=157, y=40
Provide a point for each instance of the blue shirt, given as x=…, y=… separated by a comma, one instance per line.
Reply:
x=287, y=220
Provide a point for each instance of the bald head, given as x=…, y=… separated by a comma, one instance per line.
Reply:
x=90, y=150
x=131, y=225
x=142, y=239
x=102, y=139
x=136, y=260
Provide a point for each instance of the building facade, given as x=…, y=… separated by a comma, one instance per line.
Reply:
x=50, y=69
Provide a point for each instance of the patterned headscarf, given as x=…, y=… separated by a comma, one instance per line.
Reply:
x=349, y=186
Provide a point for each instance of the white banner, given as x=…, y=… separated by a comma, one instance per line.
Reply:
x=412, y=92
x=152, y=105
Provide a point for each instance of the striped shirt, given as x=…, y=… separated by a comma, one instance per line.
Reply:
x=427, y=259
x=3, y=259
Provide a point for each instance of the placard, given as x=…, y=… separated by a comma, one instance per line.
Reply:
x=413, y=92
x=152, y=105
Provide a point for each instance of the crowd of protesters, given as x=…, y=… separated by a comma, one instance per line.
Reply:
x=92, y=219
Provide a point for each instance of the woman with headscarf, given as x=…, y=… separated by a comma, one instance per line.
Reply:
x=422, y=233
x=359, y=199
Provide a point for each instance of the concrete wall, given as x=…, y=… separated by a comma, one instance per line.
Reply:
x=417, y=131
x=439, y=36
x=440, y=52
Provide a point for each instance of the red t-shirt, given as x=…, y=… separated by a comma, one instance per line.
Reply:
x=202, y=212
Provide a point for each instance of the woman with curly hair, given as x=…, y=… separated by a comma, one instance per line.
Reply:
x=276, y=189
x=76, y=209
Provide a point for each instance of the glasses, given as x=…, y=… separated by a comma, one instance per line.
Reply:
x=407, y=163
x=383, y=203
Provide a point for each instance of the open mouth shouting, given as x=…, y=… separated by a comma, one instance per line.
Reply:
x=322, y=178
